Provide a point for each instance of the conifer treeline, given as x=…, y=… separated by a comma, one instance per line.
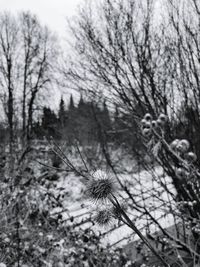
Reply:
x=81, y=122
x=87, y=122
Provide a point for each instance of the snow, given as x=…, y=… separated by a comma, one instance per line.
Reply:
x=145, y=190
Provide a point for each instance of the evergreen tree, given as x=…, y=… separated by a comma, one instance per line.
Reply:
x=83, y=121
x=71, y=103
x=81, y=103
x=116, y=116
x=62, y=112
x=117, y=124
x=106, y=122
x=70, y=122
x=49, y=123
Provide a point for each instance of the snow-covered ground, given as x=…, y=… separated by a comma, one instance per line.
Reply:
x=146, y=189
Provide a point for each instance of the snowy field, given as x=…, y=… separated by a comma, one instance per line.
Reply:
x=80, y=211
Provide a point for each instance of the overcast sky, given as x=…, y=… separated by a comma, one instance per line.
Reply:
x=53, y=13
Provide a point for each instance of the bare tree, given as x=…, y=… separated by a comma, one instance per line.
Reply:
x=8, y=66
x=28, y=58
x=38, y=52
x=121, y=51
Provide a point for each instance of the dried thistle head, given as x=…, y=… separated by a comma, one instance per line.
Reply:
x=181, y=173
x=99, y=174
x=183, y=146
x=147, y=125
x=146, y=132
x=103, y=217
x=160, y=122
x=191, y=157
x=117, y=211
x=154, y=124
x=100, y=186
x=143, y=122
x=174, y=144
x=148, y=117
x=162, y=117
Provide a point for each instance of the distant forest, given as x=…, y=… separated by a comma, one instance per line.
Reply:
x=86, y=122
x=73, y=122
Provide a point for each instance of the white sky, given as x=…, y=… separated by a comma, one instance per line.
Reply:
x=53, y=13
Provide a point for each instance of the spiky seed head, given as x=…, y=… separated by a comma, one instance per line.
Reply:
x=160, y=123
x=146, y=132
x=103, y=217
x=143, y=121
x=191, y=157
x=179, y=147
x=162, y=117
x=181, y=173
x=99, y=174
x=148, y=117
x=100, y=187
x=154, y=124
x=174, y=144
x=117, y=211
x=147, y=125
x=183, y=146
